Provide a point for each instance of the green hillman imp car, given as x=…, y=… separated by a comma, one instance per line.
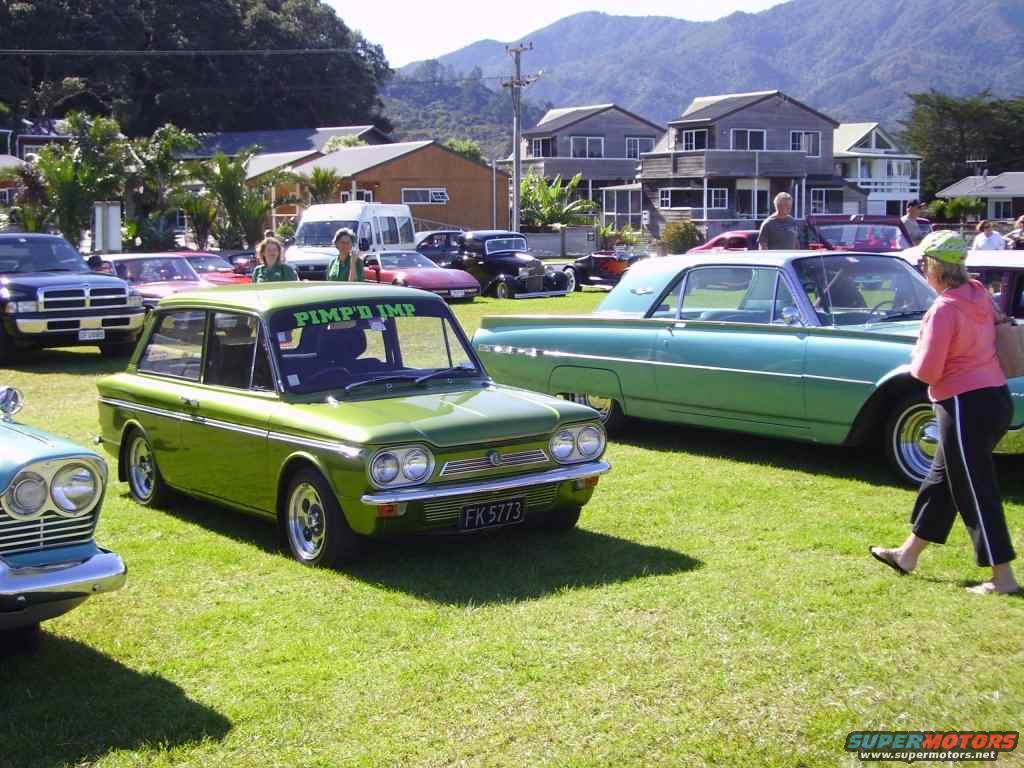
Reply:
x=807, y=346
x=341, y=411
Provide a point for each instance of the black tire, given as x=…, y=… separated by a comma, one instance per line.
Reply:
x=312, y=525
x=502, y=290
x=573, y=280
x=20, y=641
x=611, y=412
x=6, y=345
x=560, y=519
x=145, y=482
x=909, y=433
x=117, y=349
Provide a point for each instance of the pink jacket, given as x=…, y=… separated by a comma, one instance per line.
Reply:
x=956, y=350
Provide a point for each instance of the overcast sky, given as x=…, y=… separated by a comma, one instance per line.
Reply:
x=424, y=29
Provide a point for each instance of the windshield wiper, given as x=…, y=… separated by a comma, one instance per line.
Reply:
x=903, y=315
x=442, y=372
x=55, y=269
x=379, y=379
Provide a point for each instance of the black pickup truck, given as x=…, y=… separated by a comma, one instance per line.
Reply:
x=50, y=298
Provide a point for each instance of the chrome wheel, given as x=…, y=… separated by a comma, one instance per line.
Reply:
x=141, y=468
x=915, y=439
x=501, y=291
x=570, y=279
x=603, y=405
x=307, y=523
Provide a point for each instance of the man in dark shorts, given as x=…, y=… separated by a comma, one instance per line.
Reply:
x=780, y=231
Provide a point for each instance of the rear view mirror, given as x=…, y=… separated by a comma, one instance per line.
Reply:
x=289, y=241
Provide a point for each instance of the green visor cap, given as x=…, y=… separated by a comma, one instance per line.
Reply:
x=945, y=246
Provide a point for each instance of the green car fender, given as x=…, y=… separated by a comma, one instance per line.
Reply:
x=570, y=379
x=888, y=391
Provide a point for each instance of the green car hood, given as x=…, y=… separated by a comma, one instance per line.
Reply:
x=22, y=445
x=444, y=420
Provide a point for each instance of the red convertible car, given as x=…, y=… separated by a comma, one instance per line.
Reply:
x=214, y=268
x=734, y=240
x=415, y=270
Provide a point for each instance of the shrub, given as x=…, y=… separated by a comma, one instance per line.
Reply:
x=681, y=236
x=286, y=230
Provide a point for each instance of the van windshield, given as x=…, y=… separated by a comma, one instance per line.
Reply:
x=321, y=232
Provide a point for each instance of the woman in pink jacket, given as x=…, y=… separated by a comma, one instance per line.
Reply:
x=956, y=357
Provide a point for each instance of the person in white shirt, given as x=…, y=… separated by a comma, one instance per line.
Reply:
x=986, y=239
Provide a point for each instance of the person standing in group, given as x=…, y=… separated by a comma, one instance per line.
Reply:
x=1014, y=239
x=915, y=228
x=780, y=231
x=348, y=266
x=956, y=356
x=272, y=269
x=986, y=239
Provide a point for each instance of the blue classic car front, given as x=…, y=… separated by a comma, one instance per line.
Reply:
x=51, y=491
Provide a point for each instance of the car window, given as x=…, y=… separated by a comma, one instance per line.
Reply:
x=235, y=356
x=320, y=232
x=405, y=230
x=669, y=305
x=783, y=299
x=388, y=228
x=725, y=294
x=860, y=236
x=30, y=254
x=175, y=348
x=504, y=244
x=994, y=280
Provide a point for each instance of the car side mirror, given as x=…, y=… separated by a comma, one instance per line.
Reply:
x=791, y=316
x=11, y=401
x=289, y=241
x=364, y=244
x=94, y=262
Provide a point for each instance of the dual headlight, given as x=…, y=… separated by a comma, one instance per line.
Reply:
x=579, y=443
x=74, y=489
x=395, y=467
x=21, y=307
x=134, y=299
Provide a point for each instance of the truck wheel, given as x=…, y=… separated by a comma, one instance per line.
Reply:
x=146, y=484
x=313, y=524
x=502, y=291
x=611, y=412
x=6, y=346
x=560, y=519
x=571, y=283
x=117, y=349
x=911, y=438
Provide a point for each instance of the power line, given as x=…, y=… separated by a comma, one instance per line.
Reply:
x=127, y=54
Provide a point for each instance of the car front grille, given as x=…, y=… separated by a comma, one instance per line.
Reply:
x=535, y=284
x=50, y=530
x=517, y=459
x=65, y=298
x=445, y=512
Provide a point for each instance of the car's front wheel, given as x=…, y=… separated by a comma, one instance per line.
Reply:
x=609, y=409
x=911, y=438
x=571, y=283
x=502, y=290
x=117, y=349
x=145, y=482
x=313, y=524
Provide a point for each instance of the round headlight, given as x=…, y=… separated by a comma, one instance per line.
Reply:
x=416, y=465
x=588, y=441
x=384, y=468
x=26, y=496
x=75, y=489
x=562, y=445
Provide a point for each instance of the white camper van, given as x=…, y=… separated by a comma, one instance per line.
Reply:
x=378, y=226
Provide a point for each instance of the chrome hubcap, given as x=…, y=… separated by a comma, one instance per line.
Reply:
x=570, y=280
x=916, y=440
x=306, y=522
x=141, y=471
x=603, y=405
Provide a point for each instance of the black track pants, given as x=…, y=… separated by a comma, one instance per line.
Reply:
x=963, y=477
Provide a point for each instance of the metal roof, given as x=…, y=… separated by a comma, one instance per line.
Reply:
x=260, y=164
x=353, y=160
x=1008, y=184
x=711, y=108
x=10, y=162
x=563, y=117
x=272, y=142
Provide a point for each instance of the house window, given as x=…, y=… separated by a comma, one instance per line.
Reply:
x=748, y=138
x=635, y=145
x=622, y=207
x=881, y=143
x=898, y=168
x=1002, y=209
x=362, y=196
x=424, y=195
x=826, y=201
x=808, y=142
x=587, y=146
x=693, y=140
x=4, y=199
x=543, y=148
x=745, y=203
x=693, y=197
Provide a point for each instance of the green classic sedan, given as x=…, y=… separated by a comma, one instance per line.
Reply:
x=340, y=411
x=810, y=347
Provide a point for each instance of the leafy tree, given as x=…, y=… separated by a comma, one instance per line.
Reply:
x=681, y=236
x=323, y=185
x=253, y=213
x=154, y=172
x=959, y=208
x=201, y=214
x=468, y=148
x=543, y=203
x=335, y=143
x=32, y=205
x=224, y=179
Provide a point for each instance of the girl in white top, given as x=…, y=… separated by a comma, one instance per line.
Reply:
x=986, y=239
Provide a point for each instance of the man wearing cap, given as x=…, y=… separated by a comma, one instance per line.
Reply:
x=956, y=357
x=347, y=266
x=915, y=228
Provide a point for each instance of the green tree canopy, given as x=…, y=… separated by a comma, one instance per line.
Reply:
x=468, y=148
x=543, y=203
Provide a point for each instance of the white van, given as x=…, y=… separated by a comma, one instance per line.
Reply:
x=378, y=226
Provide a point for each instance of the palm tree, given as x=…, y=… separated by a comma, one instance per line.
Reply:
x=323, y=185
x=201, y=211
x=543, y=204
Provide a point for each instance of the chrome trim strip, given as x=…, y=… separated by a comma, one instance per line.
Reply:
x=251, y=431
x=128, y=406
x=349, y=451
x=427, y=493
x=514, y=459
x=538, y=294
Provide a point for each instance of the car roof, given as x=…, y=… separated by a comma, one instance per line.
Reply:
x=478, y=234
x=29, y=236
x=996, y=259
x=739, y=258
x=270, y=297
x=853, y=218
x=158, y=255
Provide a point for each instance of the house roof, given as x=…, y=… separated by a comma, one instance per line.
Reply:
x=275, y=142
x=261, y=164
x=353, y=160
x=563, y=117
x=711, y=108
x=10, y=162
x=1008, y=184
x=847, y=136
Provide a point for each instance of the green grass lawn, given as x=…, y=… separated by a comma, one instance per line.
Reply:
x=716, y=606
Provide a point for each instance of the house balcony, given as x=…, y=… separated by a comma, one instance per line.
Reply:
x=888, y=185
x=726, y=163
x=592, y=168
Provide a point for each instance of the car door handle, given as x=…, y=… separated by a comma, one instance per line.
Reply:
x=190, y=402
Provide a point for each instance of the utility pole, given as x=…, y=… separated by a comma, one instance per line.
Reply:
x=517, y=83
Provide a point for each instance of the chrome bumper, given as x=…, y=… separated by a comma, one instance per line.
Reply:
x=38, y=326
x=406, y=495
x=22, y=589
x=1012, y=442
x=538, y=294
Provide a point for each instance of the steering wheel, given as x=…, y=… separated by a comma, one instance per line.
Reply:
x=879, y=305
x=330, y=369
